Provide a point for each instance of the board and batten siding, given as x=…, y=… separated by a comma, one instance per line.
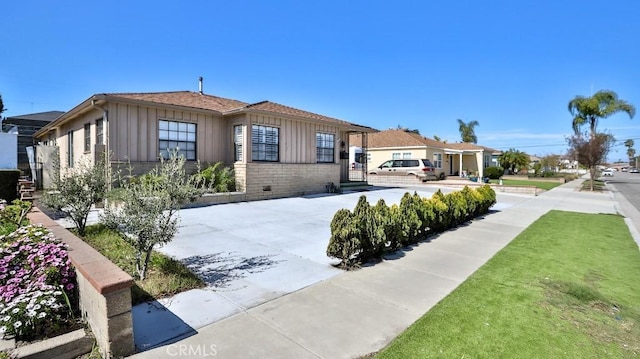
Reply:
x=133, y=133
x=297, y=139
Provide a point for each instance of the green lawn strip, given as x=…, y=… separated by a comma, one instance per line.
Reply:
x=566, y=287
x=539, y=184
x=165, y=276
x=597, y=185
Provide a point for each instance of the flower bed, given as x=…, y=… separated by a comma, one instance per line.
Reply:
x=37, y=285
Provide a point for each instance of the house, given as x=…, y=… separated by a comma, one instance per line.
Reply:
x=275, y=150
x=26, y=126
x=449, y=159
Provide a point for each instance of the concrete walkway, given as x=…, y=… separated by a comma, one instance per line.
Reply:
x=355, y=313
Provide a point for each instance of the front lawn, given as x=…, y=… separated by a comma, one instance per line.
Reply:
x=165, y=276
x=566, y=287
x=542, y=185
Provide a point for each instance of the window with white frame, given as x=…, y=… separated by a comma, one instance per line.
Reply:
x=99, y=131
x=487, y=161
x=265, y=143
x=87, y=137
x=70, y=148
x=395, y=156
x=238, y=151
x=181, y=136
x=325, y=147
x=406, y=155
x=437, y=160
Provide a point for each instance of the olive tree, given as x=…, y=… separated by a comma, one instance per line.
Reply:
x=76, y=189
x=148, y=215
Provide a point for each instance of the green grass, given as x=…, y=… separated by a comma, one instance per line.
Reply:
x=566, y=287
x=597, y=185
x=165, y=276
x=542, y=185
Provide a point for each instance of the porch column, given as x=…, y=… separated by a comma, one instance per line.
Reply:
x=460, y=170
x=480, y=161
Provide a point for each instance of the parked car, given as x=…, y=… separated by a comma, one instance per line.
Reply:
x=423, y=169
x=607, y=173
x=634, y=170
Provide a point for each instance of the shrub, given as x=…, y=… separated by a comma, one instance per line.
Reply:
x=457, y=204
x=344, y=243
x=37, y=283
x=410, y=223
x=9, y=184
x=217, y=177
x=440, y=208
x=493, y=172
x=488, y=198
x=370, y=228
x=14, y=215
x=385, y=221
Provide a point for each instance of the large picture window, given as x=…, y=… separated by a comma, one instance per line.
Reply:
x=180, y=136
x=265, y=143
x=395, y=155
x=238, y=151
x=325, y=147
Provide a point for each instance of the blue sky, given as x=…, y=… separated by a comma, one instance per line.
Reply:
x=510, y=65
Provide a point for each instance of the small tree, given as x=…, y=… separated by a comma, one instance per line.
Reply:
x=76, y=190
x=149, y=213
x=591, y=151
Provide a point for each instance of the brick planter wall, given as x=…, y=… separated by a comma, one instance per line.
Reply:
x=104, y=288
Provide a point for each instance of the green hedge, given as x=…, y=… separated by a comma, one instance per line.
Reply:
x=9, y=184
x=370, y=231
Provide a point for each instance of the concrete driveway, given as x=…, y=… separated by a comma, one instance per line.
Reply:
x=248, y=254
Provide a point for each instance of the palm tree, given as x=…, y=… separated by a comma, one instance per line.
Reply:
x=513, y=160
x=631, y=152
x=467, y=132
x=588, y=110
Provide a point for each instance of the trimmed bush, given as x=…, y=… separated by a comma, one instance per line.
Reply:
x=371, y=230
x=344, y=243
x=9, y=184
x=493, y=172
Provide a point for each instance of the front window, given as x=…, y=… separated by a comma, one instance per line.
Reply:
x=437, y=160
x=237, y=143
x=70, y=148
x=87, y=137
x=395, y=156
x=487, y=161
x=177, y=136
x=99, y=132
x=265, y=143
x=325, y=145
x=406, y=155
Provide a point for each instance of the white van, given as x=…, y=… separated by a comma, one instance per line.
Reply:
x=423, y=169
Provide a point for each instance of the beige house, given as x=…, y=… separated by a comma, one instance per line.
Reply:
x=276, y=150
x=449, y=159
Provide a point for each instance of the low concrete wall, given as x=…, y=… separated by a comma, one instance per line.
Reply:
x=537, y=179
x=104, y=288
x=217, y=198
x=382, y=180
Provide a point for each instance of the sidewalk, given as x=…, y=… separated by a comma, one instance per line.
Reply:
x=355, y=313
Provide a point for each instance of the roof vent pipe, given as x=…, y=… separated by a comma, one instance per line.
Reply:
x=200, y=85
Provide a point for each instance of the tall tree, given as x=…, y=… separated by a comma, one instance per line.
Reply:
x=588, y=110
x=467, y=131
x=631, y=152
x=590, y=152
x=513, y=159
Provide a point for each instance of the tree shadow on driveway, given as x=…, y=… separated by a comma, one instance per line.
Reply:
x=218, y=270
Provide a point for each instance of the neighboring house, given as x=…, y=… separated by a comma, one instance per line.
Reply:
x=8, y=156
x=450, y=159
x=27, y=125
x=275, y=150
